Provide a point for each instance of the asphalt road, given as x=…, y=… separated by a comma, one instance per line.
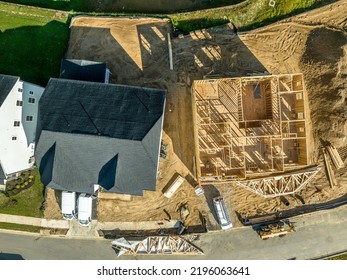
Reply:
x=317, y=234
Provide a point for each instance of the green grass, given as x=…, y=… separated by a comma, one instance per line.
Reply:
x=253, y=14
x=63, y=5
x=19, y=227
x=112, y=6
x=32, y=42
x=340, y=257
x=28, y=202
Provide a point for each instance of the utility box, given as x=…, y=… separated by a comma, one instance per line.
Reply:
x=174, y=186
x=199, y=190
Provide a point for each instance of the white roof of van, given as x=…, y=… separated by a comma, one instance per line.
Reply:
x=68, y=202
x=84, y=208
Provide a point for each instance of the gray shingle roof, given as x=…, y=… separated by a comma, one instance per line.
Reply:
x=121, y=155
x=83, y=70
x=6, y=84
x=101, y=109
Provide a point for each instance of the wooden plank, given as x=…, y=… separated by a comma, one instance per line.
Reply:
x=335, y=157
x=331, y=175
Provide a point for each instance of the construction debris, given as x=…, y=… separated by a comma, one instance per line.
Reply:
x=184, y=212
x=335, y=157
x=330, y=172
x=280, y=228
x=283, y=184
x=157, y=245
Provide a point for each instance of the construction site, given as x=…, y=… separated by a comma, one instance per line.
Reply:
x=243, y=115
x=252, y=127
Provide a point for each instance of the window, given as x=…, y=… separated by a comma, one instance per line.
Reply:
x=20, y=90
x=31, y=100
x=14, y=137
x=29, y=118
x=19, y=103
x=16, y=123
x=31, y=92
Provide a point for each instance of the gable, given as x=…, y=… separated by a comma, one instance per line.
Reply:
x=6, y=85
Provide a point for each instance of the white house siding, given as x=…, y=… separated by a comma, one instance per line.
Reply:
x=15, y=155
x=30, y=109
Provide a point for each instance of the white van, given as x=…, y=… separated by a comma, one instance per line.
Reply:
x=222, y=213
x=84, y=209
x=68, y=205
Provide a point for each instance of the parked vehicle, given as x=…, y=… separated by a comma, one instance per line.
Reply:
x=222, y=213
x=84, y=209
x=68, y=205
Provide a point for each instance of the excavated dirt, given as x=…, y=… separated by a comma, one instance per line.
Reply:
x=136, y=50
x=52, y=209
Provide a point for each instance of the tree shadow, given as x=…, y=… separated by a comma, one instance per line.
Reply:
x=33, y=52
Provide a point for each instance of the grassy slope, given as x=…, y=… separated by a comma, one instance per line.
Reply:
x=63, y=5
x=115, y=6
x=28, y=201
x=254, y=14
x=20, y=227
x=32, y=42
x=340, y=257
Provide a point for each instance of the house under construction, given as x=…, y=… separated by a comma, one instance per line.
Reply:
x=250, y=127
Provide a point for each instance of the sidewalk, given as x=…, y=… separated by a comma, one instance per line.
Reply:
x=38, y=222
x=76, y=230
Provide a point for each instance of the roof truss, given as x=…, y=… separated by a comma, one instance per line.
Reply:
x=158, y=245
x=280, y=185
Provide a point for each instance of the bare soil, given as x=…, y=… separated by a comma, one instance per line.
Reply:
x=136, y=51
x=52, y=208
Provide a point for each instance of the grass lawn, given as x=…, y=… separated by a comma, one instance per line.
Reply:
x=32, y=42
x=28, y=202
x=64, y=5
x=112, y=6
x=340, y=257
x=19, y=227
x=254, y=14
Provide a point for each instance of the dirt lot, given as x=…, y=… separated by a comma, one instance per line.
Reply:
x=136, y=50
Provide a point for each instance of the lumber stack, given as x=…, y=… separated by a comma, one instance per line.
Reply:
x=335, y=157
x=330, y=172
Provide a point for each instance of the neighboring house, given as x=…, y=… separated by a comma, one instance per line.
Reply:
x=18, y=121
x=84, y=70
x=94, y=134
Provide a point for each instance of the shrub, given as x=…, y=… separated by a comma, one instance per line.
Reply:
x=15, y=191
x=26, y=183
x=18, y=186
x=31, y=177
